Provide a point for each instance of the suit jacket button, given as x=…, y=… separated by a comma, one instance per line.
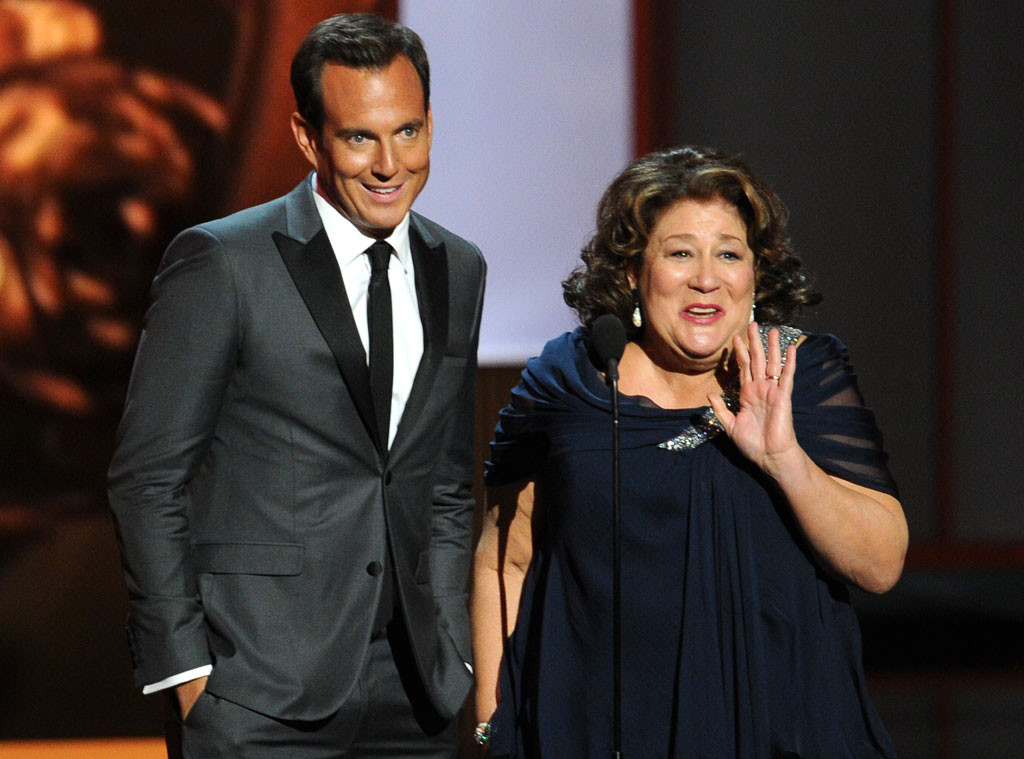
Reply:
x=374, y=568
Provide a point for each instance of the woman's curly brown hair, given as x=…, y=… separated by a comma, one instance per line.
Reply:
x=635, y=200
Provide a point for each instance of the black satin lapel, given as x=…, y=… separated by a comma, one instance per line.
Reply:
x=431, y=269
x=314, y=270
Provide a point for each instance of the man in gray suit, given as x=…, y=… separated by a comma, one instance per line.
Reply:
x=292, y=480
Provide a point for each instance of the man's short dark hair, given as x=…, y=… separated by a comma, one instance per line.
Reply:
x=359, y=40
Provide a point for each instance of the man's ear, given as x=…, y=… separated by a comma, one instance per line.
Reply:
x=306, y=137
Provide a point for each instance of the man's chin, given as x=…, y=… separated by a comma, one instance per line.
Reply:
x=378, y=227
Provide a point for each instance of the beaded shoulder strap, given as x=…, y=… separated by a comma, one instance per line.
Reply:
x=705, y=425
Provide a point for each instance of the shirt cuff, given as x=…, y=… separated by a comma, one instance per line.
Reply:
x=183, y=677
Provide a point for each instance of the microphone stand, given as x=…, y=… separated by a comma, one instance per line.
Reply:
x=607, y=345
x=613, y=382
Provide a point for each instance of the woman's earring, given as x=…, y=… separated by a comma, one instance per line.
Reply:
x=753, y=300
x=638, y=320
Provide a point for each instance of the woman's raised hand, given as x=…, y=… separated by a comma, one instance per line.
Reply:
x=762, y=428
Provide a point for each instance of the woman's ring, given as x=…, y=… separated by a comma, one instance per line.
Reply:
x=774, y=377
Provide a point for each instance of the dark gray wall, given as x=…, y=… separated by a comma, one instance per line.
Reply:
x=989, y=341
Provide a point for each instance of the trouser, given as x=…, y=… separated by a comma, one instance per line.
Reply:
x=387, y=716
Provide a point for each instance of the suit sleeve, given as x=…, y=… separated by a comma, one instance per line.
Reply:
x=452, y=536
x=182, y=369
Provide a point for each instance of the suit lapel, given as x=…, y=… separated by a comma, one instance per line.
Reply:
x=310, y=260
x=430, y=263
x=314, y=269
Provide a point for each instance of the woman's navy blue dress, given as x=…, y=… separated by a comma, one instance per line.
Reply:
x=734, y=642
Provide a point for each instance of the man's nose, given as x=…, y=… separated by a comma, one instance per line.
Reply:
x=386, y=165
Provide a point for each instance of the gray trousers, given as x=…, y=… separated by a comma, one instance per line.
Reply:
x=388, y=716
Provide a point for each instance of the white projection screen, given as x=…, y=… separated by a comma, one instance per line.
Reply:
x=533, y=116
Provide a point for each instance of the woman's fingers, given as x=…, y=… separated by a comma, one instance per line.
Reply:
x=742, y=359
x=788, y=371
x=725, y=417
x=773, y=368
x=757, y=358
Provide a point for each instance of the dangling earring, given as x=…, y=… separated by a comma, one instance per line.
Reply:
x=753, y=300
x=638, y=320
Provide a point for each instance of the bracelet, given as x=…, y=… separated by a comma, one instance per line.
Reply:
x=482, y=733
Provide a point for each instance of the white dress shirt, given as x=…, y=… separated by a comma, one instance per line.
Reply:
x=349, y=245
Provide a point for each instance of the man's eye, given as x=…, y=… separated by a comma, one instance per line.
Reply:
x=357, y=139
x=409, y=132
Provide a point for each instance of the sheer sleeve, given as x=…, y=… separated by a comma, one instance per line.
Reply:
x=832, y=423
x=519, y=446
x=521, y=443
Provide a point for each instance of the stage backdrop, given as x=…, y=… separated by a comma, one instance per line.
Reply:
x=533, y=117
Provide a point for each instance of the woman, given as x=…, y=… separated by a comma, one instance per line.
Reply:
x=754, y=491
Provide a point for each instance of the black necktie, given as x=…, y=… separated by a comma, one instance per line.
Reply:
x=378, y=314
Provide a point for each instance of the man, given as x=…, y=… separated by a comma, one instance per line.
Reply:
x=292, y=481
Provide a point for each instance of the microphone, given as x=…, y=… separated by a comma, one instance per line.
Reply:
x=607, y=344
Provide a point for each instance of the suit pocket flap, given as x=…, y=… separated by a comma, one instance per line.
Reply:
x=248, y=558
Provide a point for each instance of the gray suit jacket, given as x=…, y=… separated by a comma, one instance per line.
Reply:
x=251, y=499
